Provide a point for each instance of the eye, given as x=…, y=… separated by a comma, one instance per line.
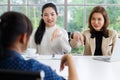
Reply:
x=92, y=18
x=99, y=19
x=45, y=14
x=52, y=14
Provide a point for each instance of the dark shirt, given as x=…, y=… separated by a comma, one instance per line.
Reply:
x=13, y=60
x=98, y=37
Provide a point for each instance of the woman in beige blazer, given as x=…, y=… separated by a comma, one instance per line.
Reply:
x=98, y=40
x=106, y=44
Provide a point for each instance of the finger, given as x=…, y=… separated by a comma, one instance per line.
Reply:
x=77, y=36
x=74, y=43
x=82, y=39
x=61, y=66
x=53, y=35
x=58, y=33
x=66, y=64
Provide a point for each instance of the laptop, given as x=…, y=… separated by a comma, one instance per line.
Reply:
x=115, y=54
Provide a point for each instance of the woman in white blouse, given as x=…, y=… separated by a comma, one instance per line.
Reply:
x=45, y=41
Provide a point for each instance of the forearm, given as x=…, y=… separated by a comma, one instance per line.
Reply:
x=72, y=70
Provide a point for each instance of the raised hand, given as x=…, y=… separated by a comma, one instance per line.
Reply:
x=55, y=34
x=78, y=37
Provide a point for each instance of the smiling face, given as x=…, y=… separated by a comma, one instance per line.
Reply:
x=49, y=16
x=97, y=21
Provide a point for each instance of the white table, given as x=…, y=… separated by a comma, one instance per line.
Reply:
x=87, y=68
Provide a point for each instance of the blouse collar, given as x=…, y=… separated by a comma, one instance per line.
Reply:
x=52, y=27
x=94, y=33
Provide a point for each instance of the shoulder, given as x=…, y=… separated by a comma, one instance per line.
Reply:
x=86, y=33
x=36, y=65
x=112, y=32
x=62, y=30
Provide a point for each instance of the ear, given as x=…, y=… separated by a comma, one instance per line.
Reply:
x=23, y=38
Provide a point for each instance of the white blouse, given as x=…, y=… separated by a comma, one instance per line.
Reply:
x=59, y=45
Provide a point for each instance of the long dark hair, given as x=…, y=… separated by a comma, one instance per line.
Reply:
x=13, y=24
x=99, y=9
x=41, y=28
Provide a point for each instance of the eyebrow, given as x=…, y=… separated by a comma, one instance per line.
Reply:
x=49, y=13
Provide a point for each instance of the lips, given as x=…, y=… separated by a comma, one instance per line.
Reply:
x=96, y=26
x=50, y=21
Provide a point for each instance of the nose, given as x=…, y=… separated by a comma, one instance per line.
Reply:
x=49, y=16
x=96, y=22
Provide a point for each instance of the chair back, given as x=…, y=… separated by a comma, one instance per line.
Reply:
x=19, y=75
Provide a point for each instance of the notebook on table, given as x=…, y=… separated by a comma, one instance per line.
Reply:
x=115, y=54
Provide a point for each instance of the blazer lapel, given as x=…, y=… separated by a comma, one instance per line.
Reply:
x=92, y=45
x=104, y=45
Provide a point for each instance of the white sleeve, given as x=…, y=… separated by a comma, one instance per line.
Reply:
x=66, y=48
x=32, y=43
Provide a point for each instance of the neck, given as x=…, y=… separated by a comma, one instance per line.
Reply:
x=50, y=26
x=16, y=48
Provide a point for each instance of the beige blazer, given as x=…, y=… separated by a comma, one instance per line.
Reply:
x=107, y=43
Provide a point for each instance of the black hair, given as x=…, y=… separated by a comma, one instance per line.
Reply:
x=13, y=24
x=41, y=28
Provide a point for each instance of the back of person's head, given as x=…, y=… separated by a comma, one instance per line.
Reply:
x=41, y=29
x=99, y=9
x=12, y=25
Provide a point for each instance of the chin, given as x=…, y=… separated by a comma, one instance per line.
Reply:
x=50, y=25
x=97, y=29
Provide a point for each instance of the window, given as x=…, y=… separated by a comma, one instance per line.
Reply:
x=73, y=14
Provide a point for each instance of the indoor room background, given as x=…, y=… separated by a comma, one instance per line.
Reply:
x=73, y=14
